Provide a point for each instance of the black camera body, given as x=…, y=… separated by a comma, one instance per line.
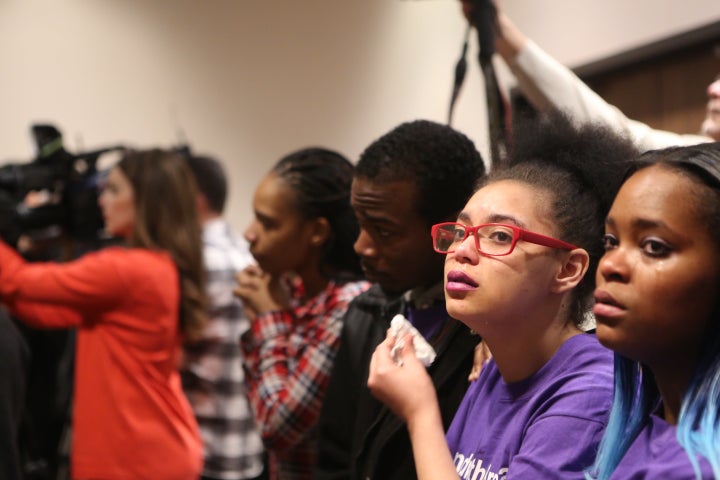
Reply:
x=69, y=184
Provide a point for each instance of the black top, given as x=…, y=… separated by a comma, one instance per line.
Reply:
x=360, y=438
x=14, y=359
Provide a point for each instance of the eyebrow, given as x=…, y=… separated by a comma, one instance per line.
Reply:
x=495, y=218
x=640, y=223
x=377, y=218
x=264, y=217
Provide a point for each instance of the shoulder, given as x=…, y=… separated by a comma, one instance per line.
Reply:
x=578, y=381
x=656, y=453
x=369, y=308
x=134, y=262
x=124, y=254
x=581, y=363
x=372, y=298
x=584, y=352
x=350, y=290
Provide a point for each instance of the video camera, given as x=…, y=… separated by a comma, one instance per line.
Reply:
x=67, y=183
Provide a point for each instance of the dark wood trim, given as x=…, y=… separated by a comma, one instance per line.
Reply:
x=707, y=35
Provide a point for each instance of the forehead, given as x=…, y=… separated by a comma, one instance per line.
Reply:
x=385, y=201
x=117, y=176
x=274, y=197
x=510, y=200
x=658, y=193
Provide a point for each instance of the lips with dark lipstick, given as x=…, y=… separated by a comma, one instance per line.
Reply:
x=459, y=281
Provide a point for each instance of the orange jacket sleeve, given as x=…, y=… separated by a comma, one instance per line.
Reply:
x=59, y=294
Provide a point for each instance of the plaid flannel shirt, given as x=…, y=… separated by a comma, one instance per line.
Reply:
x=213, y=377
x=288, y=361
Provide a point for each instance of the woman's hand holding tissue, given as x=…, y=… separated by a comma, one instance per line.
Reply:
x=400, y=380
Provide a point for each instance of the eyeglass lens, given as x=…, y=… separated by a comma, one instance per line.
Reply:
x=489, y=239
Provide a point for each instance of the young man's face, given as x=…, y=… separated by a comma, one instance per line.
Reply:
x=394, y=244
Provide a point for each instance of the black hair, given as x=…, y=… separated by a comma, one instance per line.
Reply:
x=701, y=163
x=321, y=180
x=582, y=168
x=210, y=179
x=443, y=163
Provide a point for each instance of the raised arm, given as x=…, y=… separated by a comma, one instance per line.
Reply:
x=408, y=391
x=548, y=84
x=56, y=295
x=288, y=361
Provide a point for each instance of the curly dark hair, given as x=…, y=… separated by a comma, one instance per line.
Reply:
x=442, y=162
x=582, y=168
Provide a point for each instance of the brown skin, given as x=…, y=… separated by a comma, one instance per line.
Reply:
x=394, y=242
x=521, y=318
x=284, y=243
x=657, y=282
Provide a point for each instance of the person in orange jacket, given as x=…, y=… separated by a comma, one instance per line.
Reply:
x=133, y=306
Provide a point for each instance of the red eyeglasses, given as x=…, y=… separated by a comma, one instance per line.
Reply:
x=495, y=239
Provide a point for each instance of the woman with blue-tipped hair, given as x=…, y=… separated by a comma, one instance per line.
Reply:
x=657, y=306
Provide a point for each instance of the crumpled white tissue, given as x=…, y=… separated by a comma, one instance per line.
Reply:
x=399, y=328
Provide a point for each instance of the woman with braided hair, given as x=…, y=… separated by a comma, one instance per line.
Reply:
x=306, y=275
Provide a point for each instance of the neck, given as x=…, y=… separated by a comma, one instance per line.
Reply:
x=207, y=216
x=520, y=352
x=672, y=379
x=313, y=281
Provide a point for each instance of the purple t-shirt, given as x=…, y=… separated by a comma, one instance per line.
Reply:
x=547, y=426
x=656, y=453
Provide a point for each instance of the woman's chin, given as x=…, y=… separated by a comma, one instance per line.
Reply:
x=458, y=310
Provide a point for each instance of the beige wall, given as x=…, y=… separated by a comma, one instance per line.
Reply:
x=250, y=80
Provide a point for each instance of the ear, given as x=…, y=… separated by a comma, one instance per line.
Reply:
x=574, y=265
x=320, y=231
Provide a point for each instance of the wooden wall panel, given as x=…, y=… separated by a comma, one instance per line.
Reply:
x=667, y=91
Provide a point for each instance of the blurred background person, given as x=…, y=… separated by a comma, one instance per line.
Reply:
x=133, y=306
x=306, y=275
x=50, y=212
x=212, y=372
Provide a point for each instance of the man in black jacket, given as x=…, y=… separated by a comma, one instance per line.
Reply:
x=418, y=174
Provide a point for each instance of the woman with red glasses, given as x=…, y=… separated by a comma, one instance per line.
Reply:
x=519, y=270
